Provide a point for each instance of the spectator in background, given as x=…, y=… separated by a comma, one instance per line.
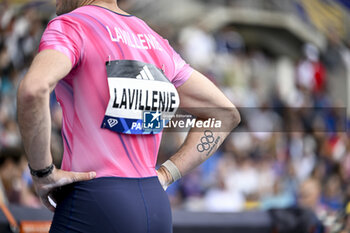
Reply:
x=332, y=197
x=309, y=198
x=280, y=197
x=220, y=197
x=198, y=46
x=310, y=71
x=310, y=194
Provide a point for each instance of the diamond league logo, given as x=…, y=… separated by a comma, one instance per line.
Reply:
x=112, y=122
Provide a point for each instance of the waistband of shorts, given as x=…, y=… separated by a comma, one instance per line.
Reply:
x=119, y=180
x=125, y=178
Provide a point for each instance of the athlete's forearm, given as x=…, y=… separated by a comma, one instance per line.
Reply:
x=35, y=123
x=33, y=110
x=189, y=156
x=199, y=146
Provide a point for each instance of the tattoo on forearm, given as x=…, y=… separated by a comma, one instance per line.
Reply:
x=208, y=142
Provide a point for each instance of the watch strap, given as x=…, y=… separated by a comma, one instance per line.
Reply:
x=42, y=172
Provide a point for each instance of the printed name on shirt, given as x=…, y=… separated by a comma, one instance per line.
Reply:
x=139, y=99
x=138, y=41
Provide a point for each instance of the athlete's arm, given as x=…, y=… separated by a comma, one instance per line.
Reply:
x=34, y=119
x=204, y=100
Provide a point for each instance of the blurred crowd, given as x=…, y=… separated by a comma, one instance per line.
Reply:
x=292, y=147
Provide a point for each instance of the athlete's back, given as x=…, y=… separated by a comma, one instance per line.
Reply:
x=98, y=105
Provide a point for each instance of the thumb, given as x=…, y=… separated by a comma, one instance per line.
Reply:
x=162, y=181
x=82, y=176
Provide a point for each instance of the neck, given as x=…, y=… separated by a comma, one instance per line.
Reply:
x=111, y=5
x=86, y=2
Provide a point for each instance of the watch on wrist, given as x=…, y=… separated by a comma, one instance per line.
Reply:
x=42, y=172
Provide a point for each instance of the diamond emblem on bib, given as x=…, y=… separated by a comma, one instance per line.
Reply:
x=112, y=122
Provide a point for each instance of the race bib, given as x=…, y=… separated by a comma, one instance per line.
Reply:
x=142, y=99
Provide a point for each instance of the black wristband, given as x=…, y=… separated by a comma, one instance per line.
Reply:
x=43, y=172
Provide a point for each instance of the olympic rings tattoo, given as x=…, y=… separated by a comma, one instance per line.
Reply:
x=205, y=141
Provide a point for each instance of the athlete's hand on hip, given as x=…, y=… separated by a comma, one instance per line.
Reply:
x=164, y=177
x=45, y=185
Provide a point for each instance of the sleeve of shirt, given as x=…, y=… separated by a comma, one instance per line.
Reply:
x=182, y=70
x=62, y=34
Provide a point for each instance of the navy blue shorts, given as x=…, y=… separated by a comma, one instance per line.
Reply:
x=113, y=204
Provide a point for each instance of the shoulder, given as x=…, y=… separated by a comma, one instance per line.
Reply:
x=70, y=20
x=73, y=17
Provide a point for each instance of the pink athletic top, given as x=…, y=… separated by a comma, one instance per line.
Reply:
x=91, y=36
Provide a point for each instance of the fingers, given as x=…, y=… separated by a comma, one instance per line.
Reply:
x=64, y=178
x=52, y=200
x=44, y=199
x=44, y=186
x=162, y=181
x=58, y=178
x=82, y=176
x=165, y=187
